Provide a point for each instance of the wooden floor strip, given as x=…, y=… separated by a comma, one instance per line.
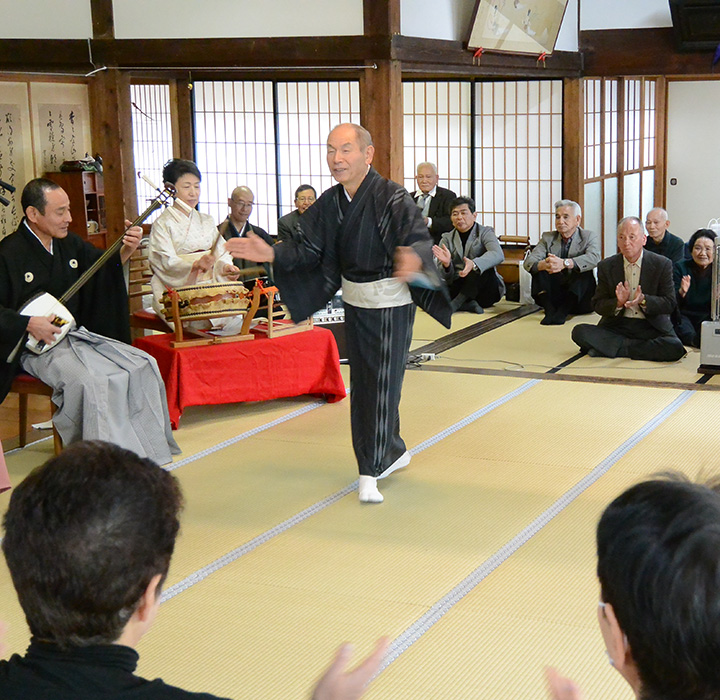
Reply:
x=567, y=362
x=526, y=374
x=452, y=340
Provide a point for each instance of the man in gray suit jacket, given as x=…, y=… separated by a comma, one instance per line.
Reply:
x=562, y=264
x=635, y=297
x=467, y=257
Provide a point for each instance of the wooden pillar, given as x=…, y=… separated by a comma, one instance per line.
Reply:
x=661, y=96
x=111, y=130
x=381, y=104
x=381, y=114
x=103, y=19
x=182, y=119
x=573, y=141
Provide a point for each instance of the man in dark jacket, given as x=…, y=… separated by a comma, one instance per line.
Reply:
x=635, y=297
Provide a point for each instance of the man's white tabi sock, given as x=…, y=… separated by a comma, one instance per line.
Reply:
x=368, y=490
x=402, y=461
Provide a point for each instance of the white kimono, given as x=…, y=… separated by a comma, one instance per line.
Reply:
x=176, y=241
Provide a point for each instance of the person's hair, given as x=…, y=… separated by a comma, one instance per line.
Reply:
x=658, y=547
x=427, y=164
x=701, y=233
x=628, y=219
x=661, y=210
x=175, y=168
x=459, y=201
x=85, y=533
x=302, y=188
x=569, y=203
x=362, y=135
x=33, y=194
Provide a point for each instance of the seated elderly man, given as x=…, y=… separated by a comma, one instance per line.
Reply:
x=635, y=297
x=658, y=549
x=434, y=201
x=467, y=256
x=562, y=264
x=88, y=540
x=660, y=240
x=237, y=225
x=103, y=387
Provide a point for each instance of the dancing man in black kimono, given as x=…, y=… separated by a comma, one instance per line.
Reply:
x=367, y=235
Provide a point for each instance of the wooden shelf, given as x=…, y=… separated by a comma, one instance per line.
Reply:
x=87, y=203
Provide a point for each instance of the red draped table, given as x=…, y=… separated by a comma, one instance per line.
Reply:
x=252, y=370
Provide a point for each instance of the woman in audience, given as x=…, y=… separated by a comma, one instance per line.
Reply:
x=693, y=286
x=185, y=246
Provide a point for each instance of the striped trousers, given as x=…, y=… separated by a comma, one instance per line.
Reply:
x=378, y=341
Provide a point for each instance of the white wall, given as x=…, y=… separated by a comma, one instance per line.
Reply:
x=624, y=14
x=450, y=20
x=693, y=148
x=45, y=19
x=145, y=19
x=436, y=19
x=568, y=36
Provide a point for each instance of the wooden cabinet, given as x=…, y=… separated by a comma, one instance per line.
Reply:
x=87, y=204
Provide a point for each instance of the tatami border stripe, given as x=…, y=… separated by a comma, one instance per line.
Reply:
x=247, y=434
x=433, y=615
x=254, y=543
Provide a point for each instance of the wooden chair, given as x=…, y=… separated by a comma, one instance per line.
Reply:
x=514, y=248
x=25, y=385
x=138, y=287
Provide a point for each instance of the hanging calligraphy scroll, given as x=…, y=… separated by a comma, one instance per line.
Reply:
x=61, y=124
x=16, y=166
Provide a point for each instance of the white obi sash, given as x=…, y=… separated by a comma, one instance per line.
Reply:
x=380, y=294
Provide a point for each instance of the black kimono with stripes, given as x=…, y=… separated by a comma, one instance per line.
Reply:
x=357, y=240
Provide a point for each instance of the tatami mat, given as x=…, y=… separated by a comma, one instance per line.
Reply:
x=457, y=504
x=267, y=623
x=522, y=344
x=539, y=607
x=427, y=328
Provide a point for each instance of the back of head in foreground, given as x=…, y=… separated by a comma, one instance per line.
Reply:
x=85, y=534
x=88, y=541
x=658, y=548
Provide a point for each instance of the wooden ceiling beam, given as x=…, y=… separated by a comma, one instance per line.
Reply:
x=631, y=52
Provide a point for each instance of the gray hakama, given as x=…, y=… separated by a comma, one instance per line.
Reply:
x=106, y=390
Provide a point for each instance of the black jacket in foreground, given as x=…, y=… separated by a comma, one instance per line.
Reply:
x=101, y=672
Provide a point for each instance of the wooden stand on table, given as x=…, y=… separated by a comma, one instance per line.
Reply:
x=197, y=337
x=274, y=326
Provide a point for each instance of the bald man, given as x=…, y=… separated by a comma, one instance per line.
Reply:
x=367, y=236
x=236, y=225
x=660, y=240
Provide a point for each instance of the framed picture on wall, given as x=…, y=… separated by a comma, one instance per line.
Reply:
x=516, y=26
